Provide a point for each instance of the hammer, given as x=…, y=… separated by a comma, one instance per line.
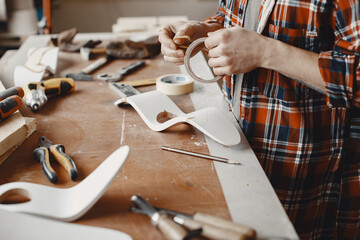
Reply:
x=87, y=53
x=84, y=74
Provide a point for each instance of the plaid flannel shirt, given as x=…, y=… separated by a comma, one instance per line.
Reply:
x=308, y=143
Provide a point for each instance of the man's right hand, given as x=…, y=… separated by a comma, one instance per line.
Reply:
x=174, y=38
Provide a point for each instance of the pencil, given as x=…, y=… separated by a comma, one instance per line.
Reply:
x=214, y=158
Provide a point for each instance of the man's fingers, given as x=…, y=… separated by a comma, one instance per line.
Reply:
x=219, y=71
x=214, y=39
x=172, y=52
x=177, y=61
x=166, y=39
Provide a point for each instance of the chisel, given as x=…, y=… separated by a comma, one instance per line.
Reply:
x=212, y=227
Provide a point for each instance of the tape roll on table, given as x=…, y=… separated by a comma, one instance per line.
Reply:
x=187, y=57
x=174, y=84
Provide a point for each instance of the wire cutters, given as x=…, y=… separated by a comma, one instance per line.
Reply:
x=48, y=150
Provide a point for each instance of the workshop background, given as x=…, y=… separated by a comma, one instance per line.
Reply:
x=19, y=18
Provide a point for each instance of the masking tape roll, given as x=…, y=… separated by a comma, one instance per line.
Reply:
x=187, y=57
x=174, y=84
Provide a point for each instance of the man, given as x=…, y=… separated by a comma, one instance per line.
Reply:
x=293, y=84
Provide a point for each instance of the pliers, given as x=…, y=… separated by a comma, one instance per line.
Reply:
x=48, y=150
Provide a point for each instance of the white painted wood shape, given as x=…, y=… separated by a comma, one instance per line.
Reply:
x=66, y=204
x=153, y=105
x=17, y=226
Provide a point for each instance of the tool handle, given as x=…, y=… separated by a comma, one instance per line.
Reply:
x=58, y=151
x=210, y=231
x=58, y=86
x=225, y=224
x=170, y=229
x=95, y=65
x=41, y=154
x=141, y=82
x=9, y=105
x=131, y=68
x=11, y=92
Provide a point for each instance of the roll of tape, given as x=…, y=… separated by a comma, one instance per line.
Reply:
x=187, y=57
x=174, y=84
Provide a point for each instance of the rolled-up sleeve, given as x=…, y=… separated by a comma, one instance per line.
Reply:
x=219, y=16
x=340, y=67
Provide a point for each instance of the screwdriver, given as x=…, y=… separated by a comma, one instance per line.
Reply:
x=9, y=105
x=10, y=101
x=11, y=92
x=36, y=93
x=212, y=227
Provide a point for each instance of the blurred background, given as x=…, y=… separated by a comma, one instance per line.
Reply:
x=20, y=18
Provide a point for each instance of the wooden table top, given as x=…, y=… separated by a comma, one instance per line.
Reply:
x=90, y=127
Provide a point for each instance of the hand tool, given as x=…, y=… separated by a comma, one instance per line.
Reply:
x=84, y=74
x=67, y=204
x=36, y=93
x=141, y=82
x=35, y=96
x=214, y=158
x=121, y=72
x=47, y=150
x=123, y=90
x=11, y=92
x=87, y=53
x=9, y=105
x=10, y=101
x=212, y=227
x=170, y=229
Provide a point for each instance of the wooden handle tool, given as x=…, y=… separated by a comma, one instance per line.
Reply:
x=170, y=229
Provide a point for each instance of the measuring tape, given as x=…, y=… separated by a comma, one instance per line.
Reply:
x=187, y=57
x=174, y=84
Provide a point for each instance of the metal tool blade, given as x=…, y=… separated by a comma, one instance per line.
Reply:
x=144, y=207
x=44, y=142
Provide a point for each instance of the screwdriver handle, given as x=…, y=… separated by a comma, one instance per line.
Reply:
x=58, y=151
x=209, y=231
x=41, y=154
x=131, y=67
x=95, y=65
x=11, y=92
x=58, y=86
x=9, y=105
x=225, y=224
x=170, y=229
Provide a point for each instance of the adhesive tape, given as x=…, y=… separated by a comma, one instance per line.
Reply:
x=187, y=57
x=174, y=84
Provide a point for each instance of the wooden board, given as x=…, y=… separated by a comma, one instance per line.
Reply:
x=15, y=129
x=90, y=127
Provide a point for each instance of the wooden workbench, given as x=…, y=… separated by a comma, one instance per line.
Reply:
x=90, y=127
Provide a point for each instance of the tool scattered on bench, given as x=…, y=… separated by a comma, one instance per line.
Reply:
x=108, y=77
x=37, y=93
x=201, y=155
x=87, y=53
x=10, y=101
x=169, y=228
x=84, y=74
x=46, y=151
x=64, y=40
x=212, y=227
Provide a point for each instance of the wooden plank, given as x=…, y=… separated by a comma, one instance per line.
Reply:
x=13, y=131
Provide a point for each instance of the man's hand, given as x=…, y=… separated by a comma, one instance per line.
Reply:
x=235, y=50
x=174, y=38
